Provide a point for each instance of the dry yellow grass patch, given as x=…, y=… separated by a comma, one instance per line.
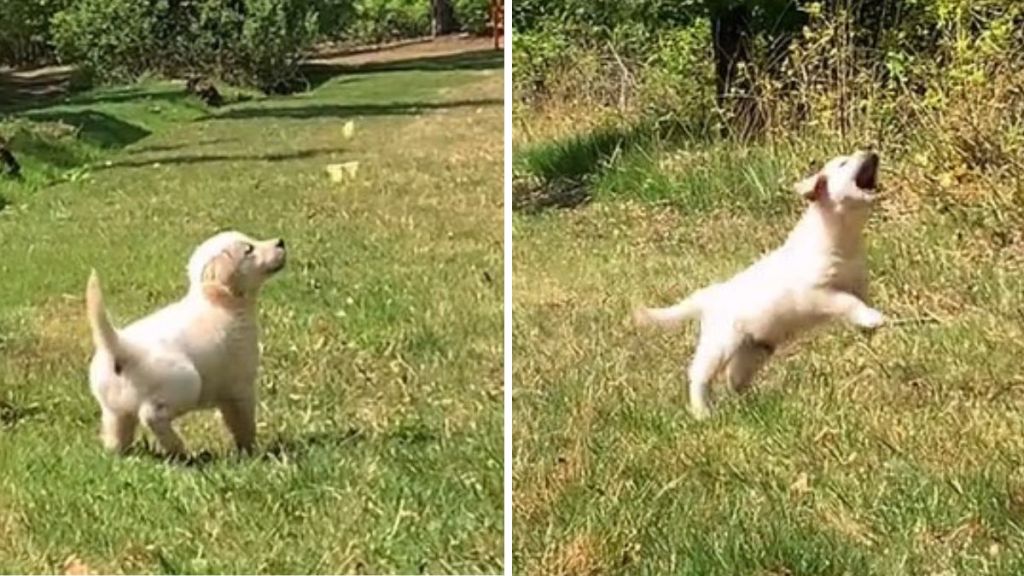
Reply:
x=580, y=556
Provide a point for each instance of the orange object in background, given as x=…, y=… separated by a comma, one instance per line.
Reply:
x=498, y=23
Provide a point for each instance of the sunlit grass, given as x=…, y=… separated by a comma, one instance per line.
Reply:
x=380, y=420
x=896, y=454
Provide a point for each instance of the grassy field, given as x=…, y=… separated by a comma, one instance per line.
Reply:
x=900, y=453
x=380, y=421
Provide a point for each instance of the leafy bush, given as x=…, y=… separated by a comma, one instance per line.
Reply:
x=111, y=39
x=382, y=20
x=256, y=42
x=372, y=21
x=334, y=18
x=274, y=36
x=474, y=16
x=25, y=30
x=253, y=42
x=937, y=84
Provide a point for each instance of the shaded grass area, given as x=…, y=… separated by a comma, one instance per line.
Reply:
x=59, y=142
x=556, y=173
x=380, y=420
x=563, y=172
x=896, y=454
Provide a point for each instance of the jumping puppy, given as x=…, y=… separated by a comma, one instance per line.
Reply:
x=200, y=352
x=818, y=274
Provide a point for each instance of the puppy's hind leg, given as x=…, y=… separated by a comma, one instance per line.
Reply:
x=712, y=353
x=744, y=364
x=158, y=419
x=240, y=418
x=117, y=431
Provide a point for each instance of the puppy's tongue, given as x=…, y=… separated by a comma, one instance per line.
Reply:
x=867, y=176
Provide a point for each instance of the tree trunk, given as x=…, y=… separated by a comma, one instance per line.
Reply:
x=734, y=92
x=442, y=17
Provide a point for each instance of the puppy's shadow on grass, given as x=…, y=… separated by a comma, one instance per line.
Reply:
x=280, y=449
x=296, y=448
x=196, y=460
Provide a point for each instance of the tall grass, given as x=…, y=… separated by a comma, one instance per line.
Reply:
x=948, y=115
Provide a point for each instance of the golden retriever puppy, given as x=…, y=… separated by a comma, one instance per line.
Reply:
x=200, y=352
x=819, y=273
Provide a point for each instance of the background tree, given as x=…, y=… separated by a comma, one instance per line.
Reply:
x=442, y=17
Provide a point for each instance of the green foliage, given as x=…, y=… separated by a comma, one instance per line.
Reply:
x=537, y=57
x=474, y=16
x=254, y=42
x=25, y=30
x=939, y=82
x=274, y=34
x=381, y=20
x=372, y=21
x=334, y=16
x=598, y=17
x=112, y=39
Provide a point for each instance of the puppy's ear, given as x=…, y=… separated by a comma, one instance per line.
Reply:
x=812, y=188
x=220, y=270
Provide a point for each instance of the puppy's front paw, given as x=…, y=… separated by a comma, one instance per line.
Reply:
x=869, y=319
x=700, y=411
x=641, y=317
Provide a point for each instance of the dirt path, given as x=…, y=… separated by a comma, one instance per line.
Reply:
x=18, y=86
x=398, y=51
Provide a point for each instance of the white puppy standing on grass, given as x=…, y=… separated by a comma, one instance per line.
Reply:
x=818, y=274
x=200, y=352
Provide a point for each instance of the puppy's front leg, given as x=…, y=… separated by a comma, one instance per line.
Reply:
x=708, y=360
x=240, y=418
x=118, y=430
x=744, y=364
x=849, y=307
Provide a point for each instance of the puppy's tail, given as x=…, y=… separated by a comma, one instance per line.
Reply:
x=104, y=335
x=672, y=316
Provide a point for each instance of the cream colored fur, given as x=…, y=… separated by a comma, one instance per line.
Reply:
x=818, y=274
x=200, y=352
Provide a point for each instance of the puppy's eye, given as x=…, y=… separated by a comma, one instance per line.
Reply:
x=249, y=248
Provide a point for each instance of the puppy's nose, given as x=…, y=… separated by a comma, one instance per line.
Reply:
x=280, y=243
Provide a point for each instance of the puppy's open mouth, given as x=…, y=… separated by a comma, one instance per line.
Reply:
x=277, y=268
x=867, y=175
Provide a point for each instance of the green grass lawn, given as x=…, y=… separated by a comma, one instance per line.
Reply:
x=896, y=454
x=380, y=420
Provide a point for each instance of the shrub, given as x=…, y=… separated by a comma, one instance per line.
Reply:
x=252, y=42
x=386, y=20
x=25, y=30
x=382, y=20
x=265, y=42
x=937, y=85
x=334, y=19
x=111, y=39
x=474, y=16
